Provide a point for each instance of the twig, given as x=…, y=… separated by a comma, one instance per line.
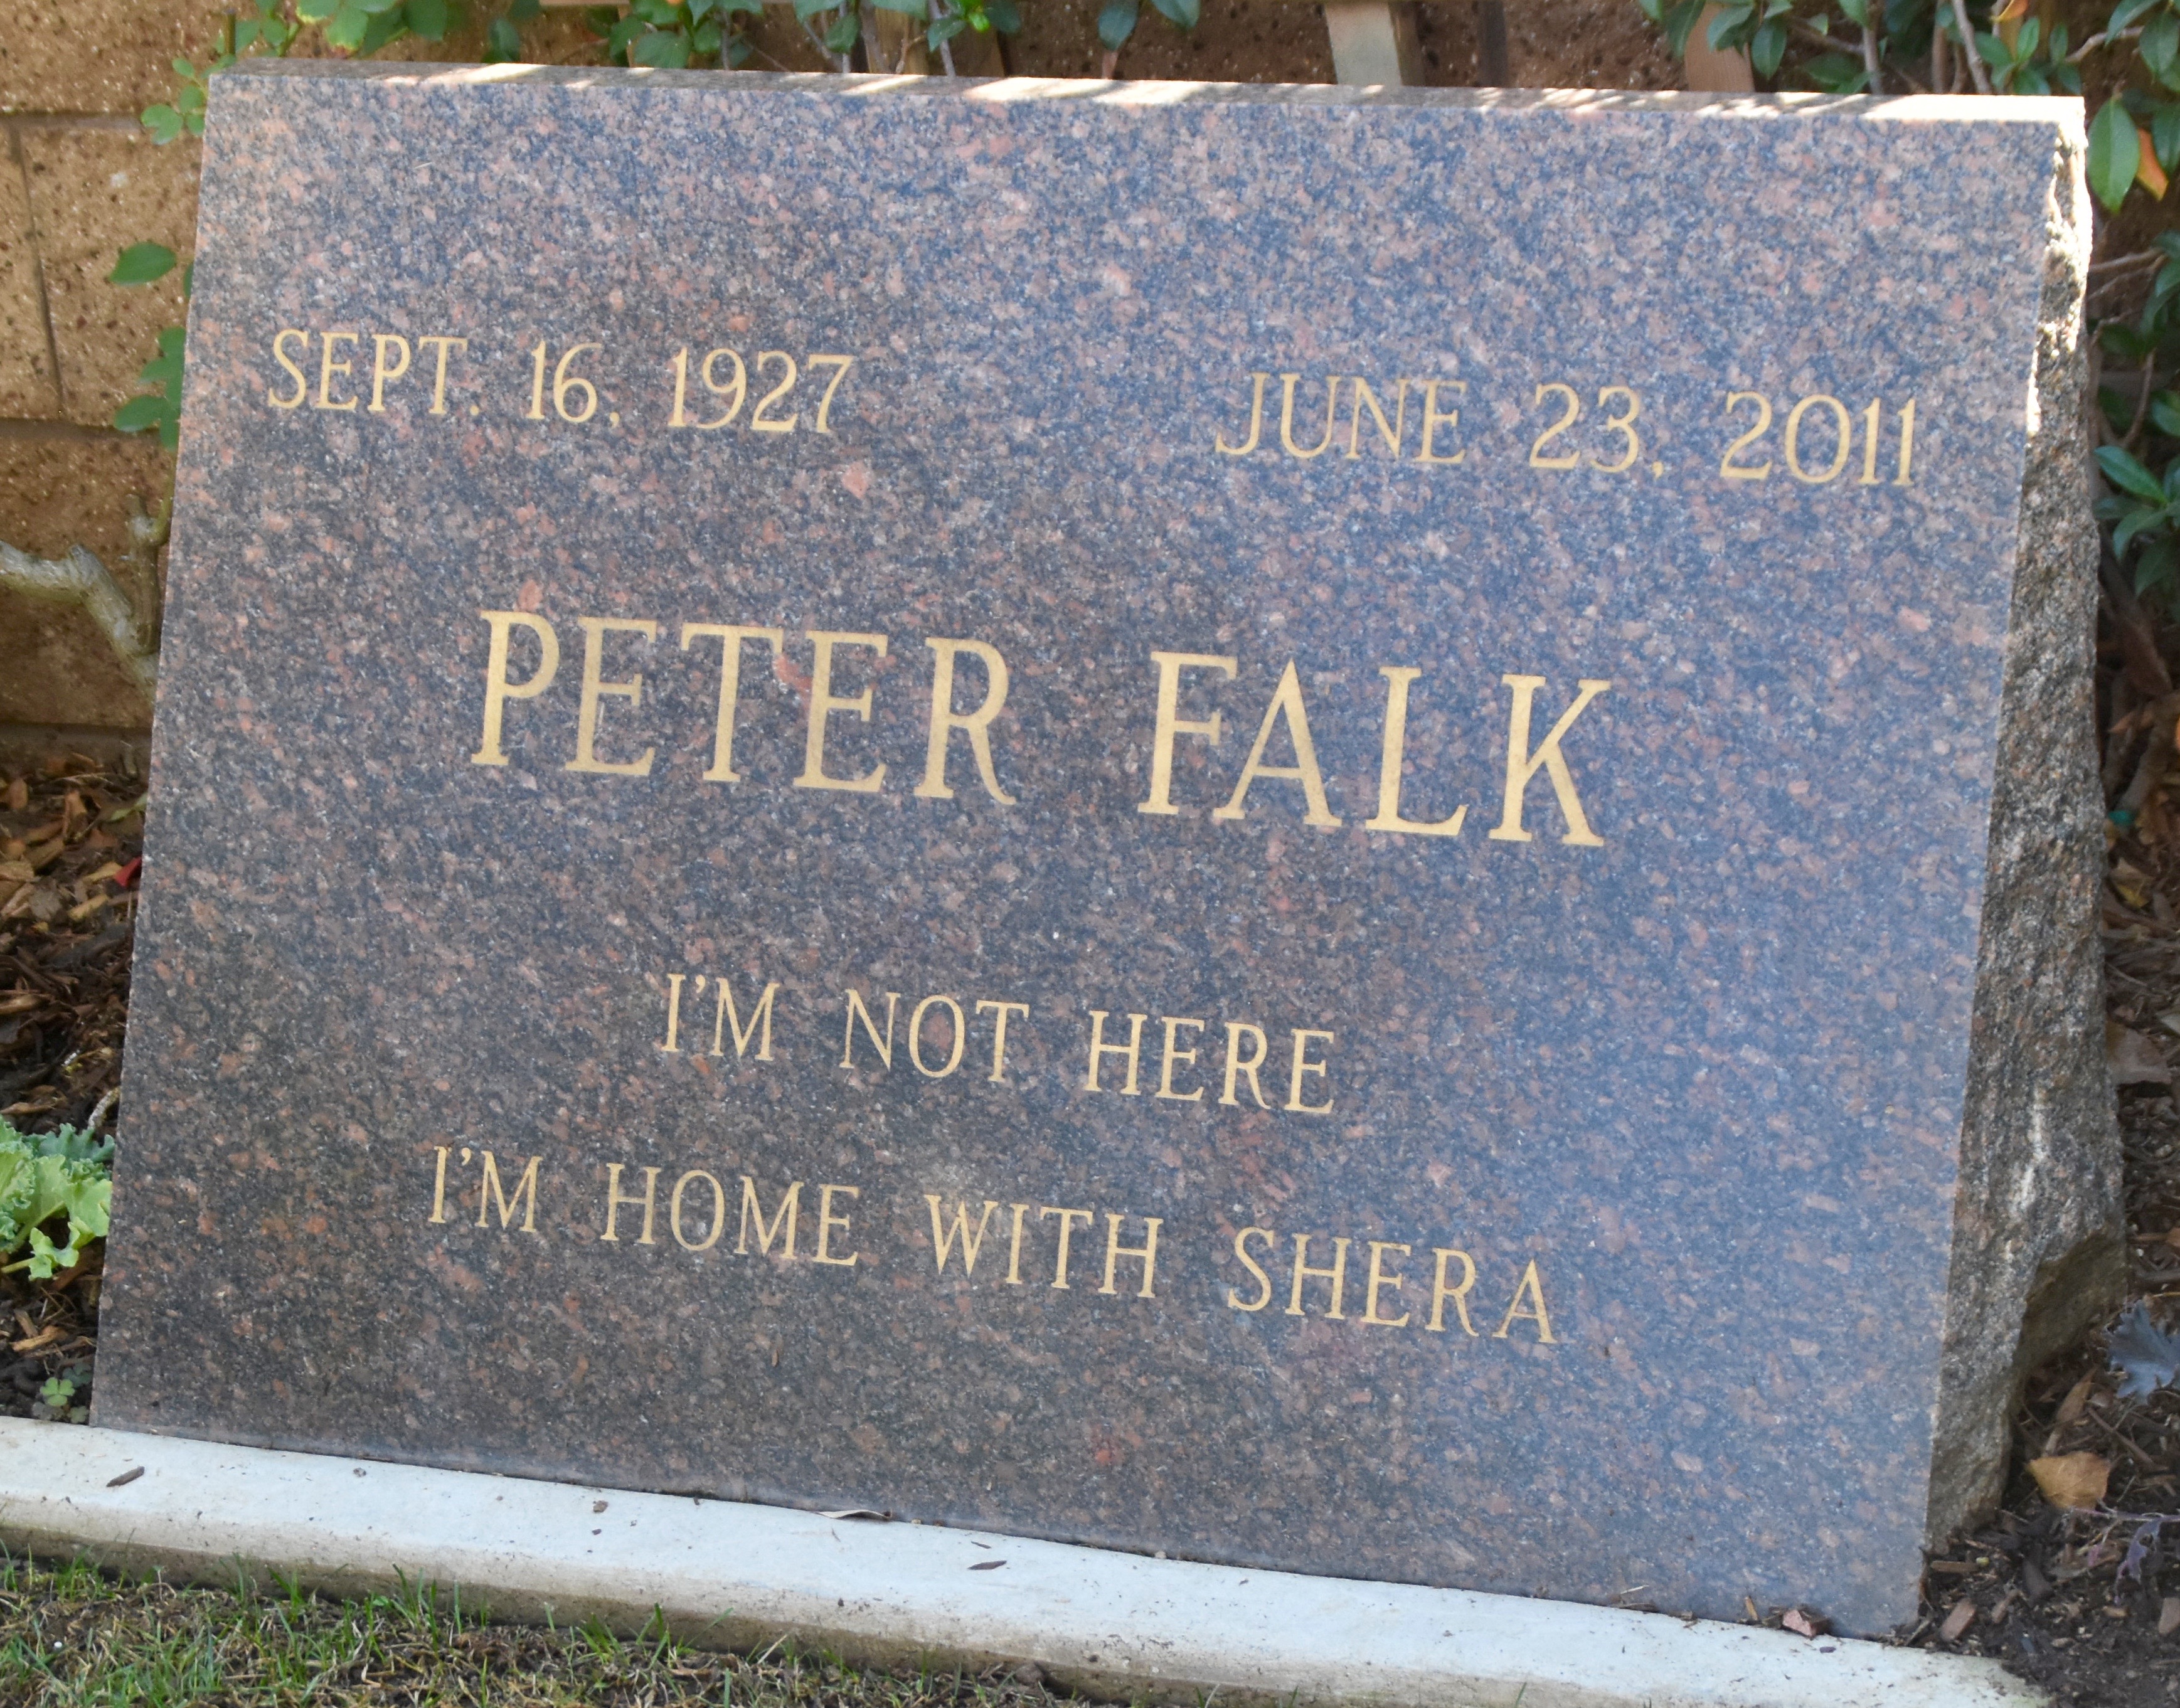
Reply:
x=1941, y=73
x=1869, y=60
x=2115, y=262
x=80, y=579
x=2103, y=38
x=1969, y=51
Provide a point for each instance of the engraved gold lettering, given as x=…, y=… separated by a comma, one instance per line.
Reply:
x=1625, y=426
x=840, y=366
x=1392, y=757
x=1729, y=468
x=1337, y=1275
x=1521, y=764
x=718, y=1222
x=1434, y=418
x=1531, y=1287
x=731, y=637
x=1843, y=428
x=1183, y=1057
x=976, y=725
x=381, y=342
x=1238, y=1064
x=672, y=1046
x=328, y=367
x=823, y=703
x=595, y=630
x=725, y=1016
x=1171, y=724
x=1301, y=1065
x=1114, y=1251
x=1263, y=1280
x=1100, y=1049
x=1441, y=1293
x=1000, y=1011
x=497, y=690
x=439, y=1186
x=1380, y=1279
x=615, y=1198
x=1286, y=704
x=1287, y=416
x=1014, y=1251
x=526, y=1191
x=760, y=421
x=1256, y=424
x=789, y=1212
x=942, y=1236
x=857, y=1011
x=445, y=346
x=1067, y=1218
x=1392, y=432
x=916, y=1036
x=827, y=1222
x=295, y=373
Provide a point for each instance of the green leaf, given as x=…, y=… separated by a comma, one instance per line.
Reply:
x=1838, y=73
x=663, y=50
x=2115, y=153
x=502, y=42
x=945, y=30
x=2123, y=471
x=1766, y=48
x=382, y=28
x=315, y=11
x=164, y=124
x=1856, y=11
x=2128, y=10
x=345, y=28
x=427, y=19
x=841, y=37
x=1006, y=16
x=2160, y=43
x=1183, y=13
x=707, y=37
x=913, y=9
x=1116, y=22
x=738, y=51
x=2133, y=522
x=140, y=263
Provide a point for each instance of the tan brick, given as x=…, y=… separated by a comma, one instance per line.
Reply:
x=55, y=493
x=26, y=375
x=94, y=192
x=99, y=56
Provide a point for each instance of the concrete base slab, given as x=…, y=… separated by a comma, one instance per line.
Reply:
x=725, y=1574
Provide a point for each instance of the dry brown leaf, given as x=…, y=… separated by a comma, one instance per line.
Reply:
x=1803, y=1624
x=19, y=796
x=2131, y=1057
x=1957, y=1621
x=2072, y=1479
x=2076, y=1402
x=2168, y=1621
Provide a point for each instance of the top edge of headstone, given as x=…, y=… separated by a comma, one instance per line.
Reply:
x=2063, y=112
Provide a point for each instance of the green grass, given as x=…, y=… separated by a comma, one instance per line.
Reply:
x=72, y=1637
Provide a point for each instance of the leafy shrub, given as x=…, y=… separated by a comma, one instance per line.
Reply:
x=44, y=1177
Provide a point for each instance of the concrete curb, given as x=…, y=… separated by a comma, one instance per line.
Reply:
x=731, y=1575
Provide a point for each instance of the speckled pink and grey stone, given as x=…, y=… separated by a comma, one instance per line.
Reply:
x=1789, y=1086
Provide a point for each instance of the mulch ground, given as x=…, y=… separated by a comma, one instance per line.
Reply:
x=2085, y=1602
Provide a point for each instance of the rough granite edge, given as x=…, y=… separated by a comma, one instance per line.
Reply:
x=2038, y=1247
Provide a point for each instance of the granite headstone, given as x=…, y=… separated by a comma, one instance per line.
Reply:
x=1351, y=832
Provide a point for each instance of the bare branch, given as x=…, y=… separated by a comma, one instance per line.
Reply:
x=81, y=580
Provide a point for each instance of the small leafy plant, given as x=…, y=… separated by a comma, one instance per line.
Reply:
x=1117, y=20
x=43, y=1178
x=142, y=264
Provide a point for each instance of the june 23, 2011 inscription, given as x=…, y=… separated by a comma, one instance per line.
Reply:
x=1248, y=824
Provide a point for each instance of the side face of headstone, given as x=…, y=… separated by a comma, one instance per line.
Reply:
x=1239, y=821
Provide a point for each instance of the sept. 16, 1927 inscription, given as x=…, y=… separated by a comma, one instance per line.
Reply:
x=1251, y=823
